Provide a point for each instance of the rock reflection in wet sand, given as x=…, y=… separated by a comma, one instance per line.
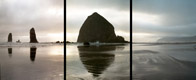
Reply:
x=33, y=53
x=98, y=62
x=95, y=59
x=10, y=52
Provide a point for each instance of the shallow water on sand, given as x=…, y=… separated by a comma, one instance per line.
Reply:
x=164, y=62
x=98, y=62
x=32, y=62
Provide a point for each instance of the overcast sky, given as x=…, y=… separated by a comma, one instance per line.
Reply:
x=117, y=12
x=19, y=16
x=153, y=19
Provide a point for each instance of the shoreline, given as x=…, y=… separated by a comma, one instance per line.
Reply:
x=27, y=44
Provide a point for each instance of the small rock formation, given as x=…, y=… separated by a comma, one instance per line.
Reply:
x=68, y=42
x=10, y=37
x=57, y=41
x=97, y=28
x=86, y=43
x=18, y=41
x=33, y=38
x=60, y=42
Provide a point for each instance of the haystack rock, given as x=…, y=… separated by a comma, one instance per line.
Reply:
x=97, y=28
x=33, y=38
x=10, y=37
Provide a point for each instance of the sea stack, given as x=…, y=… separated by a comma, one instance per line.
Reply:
x=10, y=37
x=33, y=38
x=97, y=28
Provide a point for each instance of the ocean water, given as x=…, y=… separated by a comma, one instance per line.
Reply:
x=36, y=61
x=98, y=62
x=164, y=62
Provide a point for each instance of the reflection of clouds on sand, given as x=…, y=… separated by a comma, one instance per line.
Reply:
x=117, y=71
x=70, y=51
x=144, y=51
x=31, y=63
x=52, y=50
x=165, y=65
x=56, y=51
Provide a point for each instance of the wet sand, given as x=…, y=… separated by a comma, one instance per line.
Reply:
x=164, y=62
x=35, y=62
x=98, y=62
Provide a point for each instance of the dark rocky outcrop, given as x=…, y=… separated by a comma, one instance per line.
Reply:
x=33, y=38
x=18, y=41
x=86, y=43
x=120, y=39
x=68, y=42
x=10, y=37
x=58, y=42
x=97, y=28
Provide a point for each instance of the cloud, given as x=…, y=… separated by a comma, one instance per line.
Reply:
x=18, y=16
x=182, y=30
x=175, y=12
x=177, y=17
x=93, y=4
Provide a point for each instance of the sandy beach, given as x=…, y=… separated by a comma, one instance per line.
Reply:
x=32, y=61
x=164, y=62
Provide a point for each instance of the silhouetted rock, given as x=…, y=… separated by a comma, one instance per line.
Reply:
x=86, y=43
x=97, y=28
x=33, y=38
x=68, y=42
x=57, y=41
x=10, y=37
x=18, y=41
x=120, y=39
